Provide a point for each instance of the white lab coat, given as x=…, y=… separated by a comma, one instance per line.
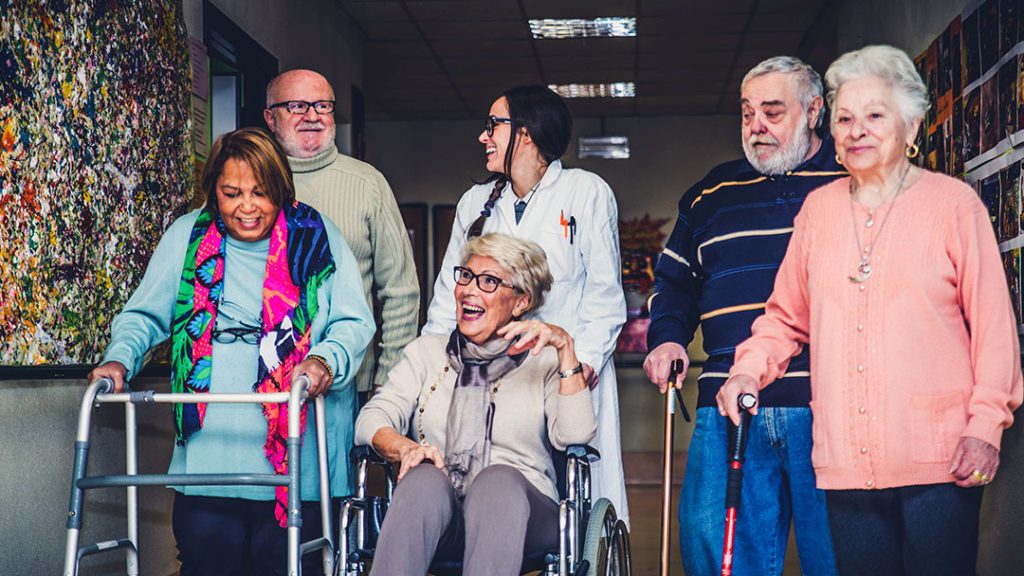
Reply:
x=586, y=298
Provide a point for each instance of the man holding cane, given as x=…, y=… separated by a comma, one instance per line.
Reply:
x=718, y=270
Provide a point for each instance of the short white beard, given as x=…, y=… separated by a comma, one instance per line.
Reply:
x=784, y=159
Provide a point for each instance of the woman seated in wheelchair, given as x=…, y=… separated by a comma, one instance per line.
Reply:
x=472, y=418
x=254, y=290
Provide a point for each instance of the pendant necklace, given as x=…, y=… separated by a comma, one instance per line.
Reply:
x=864, y=268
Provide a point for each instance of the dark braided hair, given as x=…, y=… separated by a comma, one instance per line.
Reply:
x=548, y=122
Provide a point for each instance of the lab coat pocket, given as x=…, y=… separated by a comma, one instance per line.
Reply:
x=563, y=255
x=936, y=423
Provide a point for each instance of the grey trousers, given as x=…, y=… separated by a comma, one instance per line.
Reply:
x=502, y=518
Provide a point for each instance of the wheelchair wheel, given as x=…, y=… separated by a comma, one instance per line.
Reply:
x=606, y=547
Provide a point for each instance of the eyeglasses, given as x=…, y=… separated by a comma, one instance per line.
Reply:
x=249, y=335
x=485, y=282
x=301, y=106
x=494, y=120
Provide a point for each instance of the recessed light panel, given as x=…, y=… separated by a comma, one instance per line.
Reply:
x=614, y=90
x=580, y=28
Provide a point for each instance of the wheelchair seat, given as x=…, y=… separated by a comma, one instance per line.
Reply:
x=593, y=541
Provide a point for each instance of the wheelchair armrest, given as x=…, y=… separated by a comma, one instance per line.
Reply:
x=362, y=452
x=583, y=452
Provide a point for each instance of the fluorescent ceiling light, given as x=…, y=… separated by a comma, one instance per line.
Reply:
x=580, y=28
x=611, y=147
x=614, y=90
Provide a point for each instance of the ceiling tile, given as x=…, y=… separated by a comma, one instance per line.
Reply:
x=689, y=43
x=473, y=63
x=463, y=10
x=695, y=7
x=398, y=49
x=579, y=8
x=492, y=30
x=585, y=46
x=434, y=59
x=384, y=31
x=364, y=11
x=456, y=48
x=559, y=64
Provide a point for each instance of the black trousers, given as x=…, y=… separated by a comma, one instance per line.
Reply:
x=926, y=529
x=233, y=536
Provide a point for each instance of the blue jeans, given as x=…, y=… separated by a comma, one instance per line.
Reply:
x=930, y=529
x=778, y=485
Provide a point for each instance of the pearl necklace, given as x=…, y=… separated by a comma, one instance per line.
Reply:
x=440, y=376
x=864, y=268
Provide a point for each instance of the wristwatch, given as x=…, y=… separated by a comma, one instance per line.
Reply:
x=568, y=373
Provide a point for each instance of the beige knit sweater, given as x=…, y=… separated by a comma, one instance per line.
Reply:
x=357, y=198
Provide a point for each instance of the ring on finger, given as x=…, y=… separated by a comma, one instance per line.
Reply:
x=977, y=476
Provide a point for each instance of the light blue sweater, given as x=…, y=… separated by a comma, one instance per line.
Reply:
x=232, y=437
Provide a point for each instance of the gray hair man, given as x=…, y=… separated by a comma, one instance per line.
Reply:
x=717, y=271
x=357, y=198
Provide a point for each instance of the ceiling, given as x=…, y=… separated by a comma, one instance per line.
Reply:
x=449, y=59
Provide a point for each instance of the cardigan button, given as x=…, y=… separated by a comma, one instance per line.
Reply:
x=863, y=450
x=869, y=483
x=862, y=410
x=860, y=368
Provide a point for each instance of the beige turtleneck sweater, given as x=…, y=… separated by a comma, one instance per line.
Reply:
x=357, y=198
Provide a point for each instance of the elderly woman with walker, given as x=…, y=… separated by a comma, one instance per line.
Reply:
x=893, y=277
x=254, y=290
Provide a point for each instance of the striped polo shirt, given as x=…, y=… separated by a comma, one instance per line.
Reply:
x=718, y=267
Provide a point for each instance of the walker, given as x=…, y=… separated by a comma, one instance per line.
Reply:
x=101, y=392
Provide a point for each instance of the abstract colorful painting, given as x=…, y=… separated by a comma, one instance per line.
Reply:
x=95, y=163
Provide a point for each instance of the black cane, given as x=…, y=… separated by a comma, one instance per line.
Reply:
x=734, y=482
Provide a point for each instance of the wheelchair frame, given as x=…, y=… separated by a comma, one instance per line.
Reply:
x=590, y=538
x=100, y=392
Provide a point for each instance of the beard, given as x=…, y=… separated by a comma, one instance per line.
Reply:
x=785, y=158
x=298, y=146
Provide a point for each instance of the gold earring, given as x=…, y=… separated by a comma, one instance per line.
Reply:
x=912, y=151
x=838, y=159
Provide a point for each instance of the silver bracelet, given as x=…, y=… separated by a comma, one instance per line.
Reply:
x=568, y=373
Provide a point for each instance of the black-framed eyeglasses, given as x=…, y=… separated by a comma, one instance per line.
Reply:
x=492, y=121
x=301, y=106
x=247, y=334
x=485, y=282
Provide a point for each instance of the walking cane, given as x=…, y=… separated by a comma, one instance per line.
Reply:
x=734, y=483
x=666, y=494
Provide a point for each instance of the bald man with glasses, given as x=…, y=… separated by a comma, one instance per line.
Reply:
x=357, y=198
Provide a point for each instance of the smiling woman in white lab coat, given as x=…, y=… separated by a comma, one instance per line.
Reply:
x=572, y=214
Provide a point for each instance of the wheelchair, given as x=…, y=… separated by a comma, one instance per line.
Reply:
x=593, y=541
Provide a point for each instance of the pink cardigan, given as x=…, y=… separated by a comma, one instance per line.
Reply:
x=905, y=364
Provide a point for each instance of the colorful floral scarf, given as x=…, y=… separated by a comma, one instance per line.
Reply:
x=298, y=263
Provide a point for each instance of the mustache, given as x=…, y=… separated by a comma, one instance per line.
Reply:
x=762, y=139
x=311, y=126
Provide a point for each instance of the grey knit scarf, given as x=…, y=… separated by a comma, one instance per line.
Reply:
x=471, y=412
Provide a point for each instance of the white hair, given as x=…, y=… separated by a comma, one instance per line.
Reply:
x=806, y=82
x=889, y=64
x=525, y=262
